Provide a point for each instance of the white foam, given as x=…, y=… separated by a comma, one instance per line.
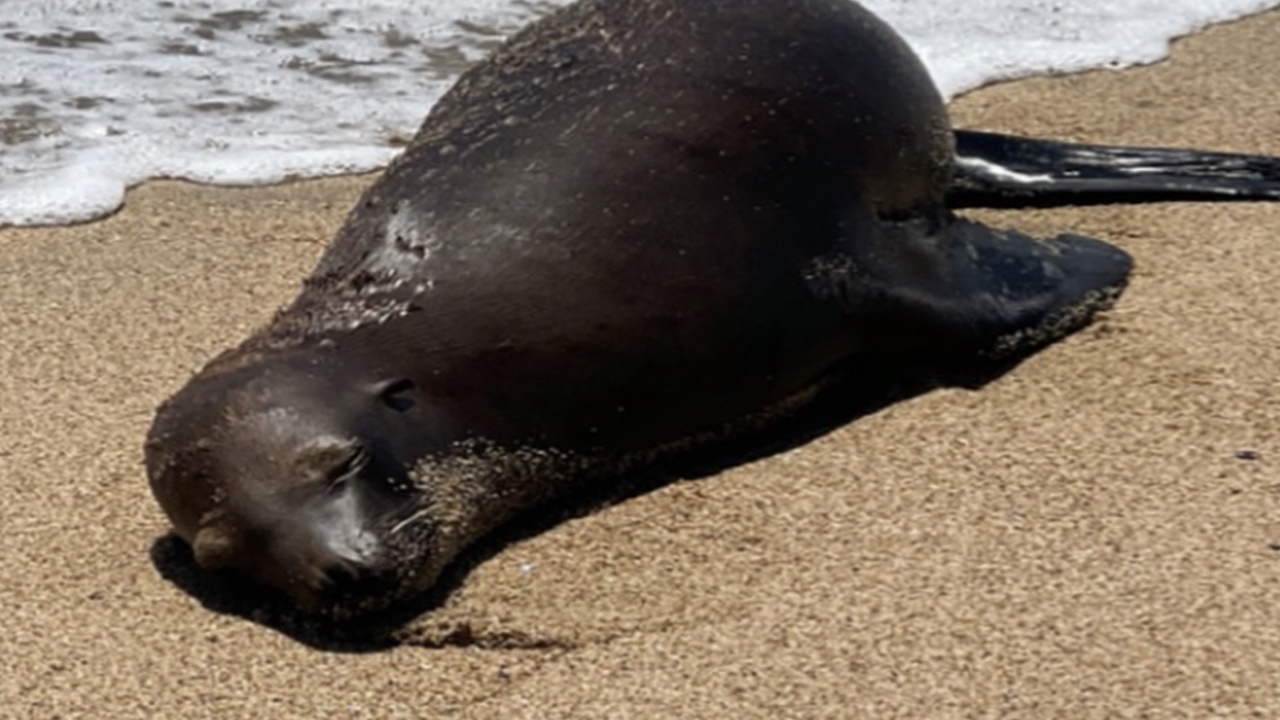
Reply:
x=990, y=40
x=98, y=95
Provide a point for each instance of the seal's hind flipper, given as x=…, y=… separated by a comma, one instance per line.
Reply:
x=1006, y=171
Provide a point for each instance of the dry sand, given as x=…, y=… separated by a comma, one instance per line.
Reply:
x=1076, y=539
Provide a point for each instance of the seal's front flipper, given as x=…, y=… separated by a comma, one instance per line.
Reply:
x=1006, y=171
x=1024, y=292
x=961, y=289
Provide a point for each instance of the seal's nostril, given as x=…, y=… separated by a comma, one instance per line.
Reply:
x=349, y=584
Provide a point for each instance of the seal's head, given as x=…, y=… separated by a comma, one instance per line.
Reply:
x=279, y=468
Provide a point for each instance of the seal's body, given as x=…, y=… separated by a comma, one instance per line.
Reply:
x=640, y=224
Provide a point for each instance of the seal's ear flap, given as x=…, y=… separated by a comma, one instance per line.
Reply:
x=397, y=394
x=215, y=547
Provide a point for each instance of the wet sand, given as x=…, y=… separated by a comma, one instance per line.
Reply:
x=1079, y=538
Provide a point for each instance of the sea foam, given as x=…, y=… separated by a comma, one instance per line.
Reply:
x=99, y=95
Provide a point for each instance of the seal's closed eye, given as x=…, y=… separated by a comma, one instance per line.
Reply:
x=349, y=468
x=331, y=462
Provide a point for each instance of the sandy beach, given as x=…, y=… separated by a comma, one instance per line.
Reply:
x=1094, y=534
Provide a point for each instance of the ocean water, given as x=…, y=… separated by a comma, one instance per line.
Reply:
x=99, y=95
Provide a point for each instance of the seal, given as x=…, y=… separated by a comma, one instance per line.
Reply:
x=639, y=226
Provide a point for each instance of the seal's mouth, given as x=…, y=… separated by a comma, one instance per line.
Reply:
x=336, y=554
x=341, y=588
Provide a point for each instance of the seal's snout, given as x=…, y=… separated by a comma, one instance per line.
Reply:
x=265, y=471
x=322, y=545
x=321, y=540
